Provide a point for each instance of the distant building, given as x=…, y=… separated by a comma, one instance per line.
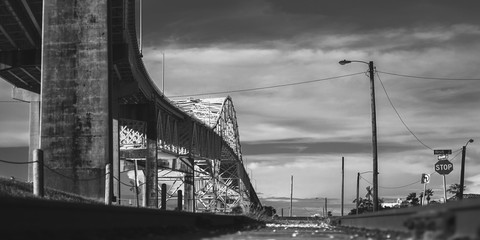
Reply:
x=391, y=203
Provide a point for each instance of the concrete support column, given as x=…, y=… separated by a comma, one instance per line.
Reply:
x=76, y=116
x=151, y=176
x=34, y=101
x=189, y=187
x=116, y=162
x=188, y=192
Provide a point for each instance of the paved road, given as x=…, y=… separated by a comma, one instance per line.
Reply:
x=305, y=231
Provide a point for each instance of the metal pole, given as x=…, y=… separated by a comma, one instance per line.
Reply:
x=343, y=181
x=156, y=182
x=118, y=163
x=163, y=73
x=444, y=188
x=144, y=192
x=141, y=28
x=225, y=198
x=179, y=200
x=108, y=186
x=374, y=137
x=462, y=173
x=424, y=191
x=38, y=189
x=358, y=186
x=194, y=202
x=291, y=196
x=136, y=181
x=164, y=197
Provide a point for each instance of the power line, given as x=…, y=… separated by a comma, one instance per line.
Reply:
x=431, y=78
x=126, y=184
x=403, y=186
x=410, y=184
x=74, y=179
x=398, y=114
x=267, y=87
x=11, y=162
x=458, y=152
x=10, y=101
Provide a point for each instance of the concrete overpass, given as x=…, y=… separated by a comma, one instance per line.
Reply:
x=92, y=103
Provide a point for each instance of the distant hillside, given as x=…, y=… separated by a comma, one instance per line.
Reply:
x=14, y=154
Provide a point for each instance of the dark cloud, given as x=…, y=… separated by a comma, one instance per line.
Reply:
x=314, y=146
x=452, y=96
x=262, y=23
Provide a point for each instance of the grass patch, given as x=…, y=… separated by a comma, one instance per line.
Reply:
x=13, y=188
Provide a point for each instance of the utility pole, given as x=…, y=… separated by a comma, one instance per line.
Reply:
x=343, y=181
x=358, y=186
x=374, y=137
x=462, y=173
x=291, y=196
x=326, y=209
x=163, y=73
x=374, y=128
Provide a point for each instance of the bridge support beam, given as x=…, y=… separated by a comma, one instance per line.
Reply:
x=151, y=169
x=34, y=101
x=76, y=131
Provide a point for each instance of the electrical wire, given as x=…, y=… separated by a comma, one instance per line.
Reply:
x=10, y=101
x=410, y=184
x=125, y=184
x=458, y=152
x=400, y=117
x=10, y=162
x=74, y=179
x=267, y=87
x=431, y=78
x=403, y=186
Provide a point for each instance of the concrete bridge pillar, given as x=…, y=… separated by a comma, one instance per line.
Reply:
x=189, y=189
x=151, y=167
x=34, y=101
x=76, y=131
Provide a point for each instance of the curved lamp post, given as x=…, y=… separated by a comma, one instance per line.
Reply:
x=462, y=172
x=374, y=130
x=358, y=186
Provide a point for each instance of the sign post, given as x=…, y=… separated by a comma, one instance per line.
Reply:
x=425, y=180
x=443, y=167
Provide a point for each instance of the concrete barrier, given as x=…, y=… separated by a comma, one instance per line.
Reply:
x=35, y=217
x=453, y=218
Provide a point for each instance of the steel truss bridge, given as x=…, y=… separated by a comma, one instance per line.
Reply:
x=93, y=107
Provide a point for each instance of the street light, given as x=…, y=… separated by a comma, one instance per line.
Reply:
x=358, y=186
x=374, y=130
x=462, y=172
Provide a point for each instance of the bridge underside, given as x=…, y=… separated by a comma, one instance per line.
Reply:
x=88, y=87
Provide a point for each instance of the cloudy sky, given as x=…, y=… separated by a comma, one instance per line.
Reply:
x=304, y=130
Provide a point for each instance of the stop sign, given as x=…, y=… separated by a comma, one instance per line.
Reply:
x=443, y=167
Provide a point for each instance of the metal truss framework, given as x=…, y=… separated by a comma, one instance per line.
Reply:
x=211, y=141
